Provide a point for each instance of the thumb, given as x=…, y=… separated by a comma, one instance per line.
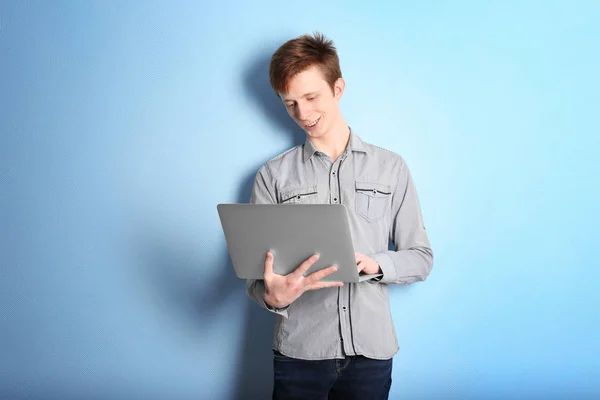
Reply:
x=360, y=266
x=269, y=264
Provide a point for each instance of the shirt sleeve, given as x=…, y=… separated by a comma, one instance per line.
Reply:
x=412, y=259
x=263, y=192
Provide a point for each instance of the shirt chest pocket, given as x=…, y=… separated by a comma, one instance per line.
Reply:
x=372, y=200
x=302, y=195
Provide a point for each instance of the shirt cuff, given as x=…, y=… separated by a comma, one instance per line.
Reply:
x=387, y=267
x=279, y=311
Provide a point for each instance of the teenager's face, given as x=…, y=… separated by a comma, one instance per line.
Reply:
x=312, y=103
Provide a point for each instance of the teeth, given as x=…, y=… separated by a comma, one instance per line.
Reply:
x=314, y=123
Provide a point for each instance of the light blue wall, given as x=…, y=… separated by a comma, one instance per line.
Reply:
x=123, y=125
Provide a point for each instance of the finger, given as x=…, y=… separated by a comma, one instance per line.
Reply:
x=268, y=265
x=359, y=257
x=299, y=272
x=317, y=276
x=322, y=285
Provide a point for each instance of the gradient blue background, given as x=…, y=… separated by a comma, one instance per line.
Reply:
x=123, y=125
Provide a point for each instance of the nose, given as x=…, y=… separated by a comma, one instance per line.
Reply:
x=303, y=110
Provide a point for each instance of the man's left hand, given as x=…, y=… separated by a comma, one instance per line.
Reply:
x=366, y=264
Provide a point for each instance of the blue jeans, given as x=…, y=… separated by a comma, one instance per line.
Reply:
x=353, y=378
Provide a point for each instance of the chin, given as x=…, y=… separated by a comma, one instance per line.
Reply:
x=322, y=132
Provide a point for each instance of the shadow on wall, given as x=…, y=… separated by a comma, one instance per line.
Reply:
x=174, y=273
x=259, y=92
x=255, y=369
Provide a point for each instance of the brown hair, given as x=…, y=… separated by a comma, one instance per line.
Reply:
x=301, y=53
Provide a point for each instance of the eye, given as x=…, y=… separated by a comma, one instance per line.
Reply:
x=310, y=98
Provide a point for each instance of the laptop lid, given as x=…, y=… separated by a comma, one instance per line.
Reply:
x=293, y=232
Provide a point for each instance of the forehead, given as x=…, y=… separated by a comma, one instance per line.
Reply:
x=309, y=80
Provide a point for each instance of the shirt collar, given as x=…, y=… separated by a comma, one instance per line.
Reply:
x=355, y=144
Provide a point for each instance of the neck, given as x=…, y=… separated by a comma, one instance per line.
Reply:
x=334, y=143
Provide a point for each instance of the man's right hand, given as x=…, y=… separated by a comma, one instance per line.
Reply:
x=281, y=291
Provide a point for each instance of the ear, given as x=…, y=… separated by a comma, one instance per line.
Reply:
x=338, y=88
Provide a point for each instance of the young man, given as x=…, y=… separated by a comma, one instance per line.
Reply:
x=335, y=340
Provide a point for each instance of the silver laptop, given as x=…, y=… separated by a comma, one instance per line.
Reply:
x=293, y=232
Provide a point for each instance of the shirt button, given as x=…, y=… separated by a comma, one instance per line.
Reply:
x=344, y=308
x=333, y=173
x=335, y=199
x=298, y=197
x=341, y=339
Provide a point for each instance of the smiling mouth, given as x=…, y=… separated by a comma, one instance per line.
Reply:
x=313, y=124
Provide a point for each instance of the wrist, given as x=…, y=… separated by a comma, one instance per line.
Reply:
x=274, y=303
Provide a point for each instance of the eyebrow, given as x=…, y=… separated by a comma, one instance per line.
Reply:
x=304, y=95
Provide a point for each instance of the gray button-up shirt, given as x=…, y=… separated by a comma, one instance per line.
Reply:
x=376, y=186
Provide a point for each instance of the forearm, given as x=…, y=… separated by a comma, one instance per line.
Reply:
x=405, y=266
